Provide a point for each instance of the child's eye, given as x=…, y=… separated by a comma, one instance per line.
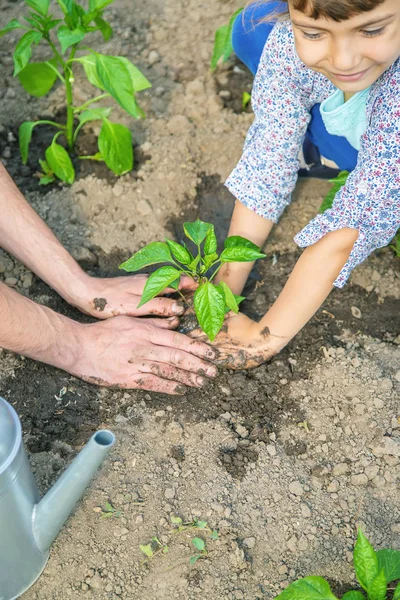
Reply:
x=373, y=32
x=311, y=36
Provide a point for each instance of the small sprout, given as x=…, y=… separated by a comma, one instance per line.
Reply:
x=246, y=99
x=199, y=544
x=147, y=550
x=176, y=521
x=109, y=511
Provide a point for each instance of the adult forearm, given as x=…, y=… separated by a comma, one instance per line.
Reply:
x=36, y=331
x=249, y=225
x=27, y=237
x=308, y=285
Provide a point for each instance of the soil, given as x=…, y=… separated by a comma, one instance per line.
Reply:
x=284, y=460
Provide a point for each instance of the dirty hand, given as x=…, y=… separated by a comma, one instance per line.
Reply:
x=141, y=354
x=241, y=343
x=109, y=297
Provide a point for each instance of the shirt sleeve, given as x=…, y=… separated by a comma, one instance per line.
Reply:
x=370, y=199
x=282, y=99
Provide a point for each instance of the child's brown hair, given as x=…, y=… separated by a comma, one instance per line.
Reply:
x=337, y=10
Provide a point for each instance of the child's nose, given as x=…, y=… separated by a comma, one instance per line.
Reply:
x=344, y=58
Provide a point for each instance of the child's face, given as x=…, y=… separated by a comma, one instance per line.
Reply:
x=352, y=53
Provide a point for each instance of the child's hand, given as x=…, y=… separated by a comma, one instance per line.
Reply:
x=242, y=343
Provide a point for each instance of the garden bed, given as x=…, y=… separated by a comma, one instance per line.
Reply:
x=283, y=460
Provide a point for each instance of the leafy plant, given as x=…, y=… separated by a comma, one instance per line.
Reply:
x=223, y=41
x=211, y=301
x=374, y=571
x=115, y=76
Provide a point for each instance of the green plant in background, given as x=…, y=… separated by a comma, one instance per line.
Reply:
x=115, y=76
x=395, y=245
x=211, y=301
x=374, y=572
x=223, y=41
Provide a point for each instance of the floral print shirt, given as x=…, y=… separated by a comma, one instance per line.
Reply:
x=284, y=92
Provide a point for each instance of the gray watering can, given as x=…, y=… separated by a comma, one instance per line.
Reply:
x=29, y=525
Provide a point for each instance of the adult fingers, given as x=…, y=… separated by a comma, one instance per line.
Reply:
x=153, y=383
x=182, y=342
x=169, y=372
x=187, y=283
x=164, y=307
x=173, y=357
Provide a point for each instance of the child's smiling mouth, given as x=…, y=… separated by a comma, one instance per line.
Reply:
x=351, y=77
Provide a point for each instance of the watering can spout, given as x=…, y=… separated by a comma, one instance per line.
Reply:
x=52, y=511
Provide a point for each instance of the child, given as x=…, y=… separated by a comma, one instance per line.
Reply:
x=329, y=71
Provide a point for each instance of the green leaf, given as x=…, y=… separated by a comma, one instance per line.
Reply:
x=104, y=27
x=179, y=252
x=365, y=561
x=41, y=6
x=309, y=588
x=240, y=254
x=223, y=41
x=66, y=6
x=10, y=26
x=89, y=64
x=239, y=299
x=147, y=550
x=45, y=167
x=37, y=78
x=115, y=145
x=176, y=521
x=175, y=284
x=235, y=241
x=60, y=163
x=201, y=524
x=246, y=99
x=230, y=299
x=98, y=5
x=214, y=534
x=337, y=183
x=152, y=254
x=23, y=50
x=389, y=561
x=193, y=265
x=353, y=595
x=199, y=544
x=209, y=306
x=68, y=37
x=116, y=80
x=197, y=231
x=139, y=81
x=210, y=245
x=377, y=587
x=46, y=180
x=193, y=559
x=108, y=507
x=94, y=114
x=157, y=282
x=25, y=136
x=396, y=595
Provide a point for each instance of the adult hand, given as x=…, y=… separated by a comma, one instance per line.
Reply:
x=131, y=353
x=242, y=343
x=109, y=297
